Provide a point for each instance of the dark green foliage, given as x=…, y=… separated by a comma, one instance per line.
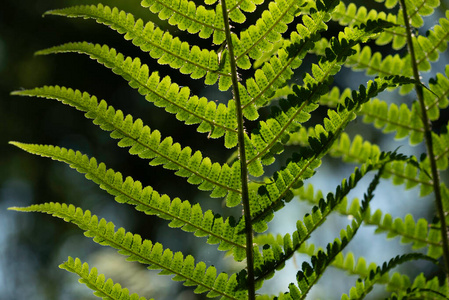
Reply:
x=275, y=46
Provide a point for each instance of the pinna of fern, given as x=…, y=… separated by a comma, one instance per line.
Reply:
x=275, y=56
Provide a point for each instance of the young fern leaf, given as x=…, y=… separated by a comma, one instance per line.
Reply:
x=181, y=213
x=216, y=120
x=161, y=45
x=221, y=179
x=105, y=289
x=144, y=251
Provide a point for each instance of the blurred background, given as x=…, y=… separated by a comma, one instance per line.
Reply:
x=33, y=245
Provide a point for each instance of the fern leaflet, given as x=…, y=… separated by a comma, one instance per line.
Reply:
x=147, y=144
x=160, y=44
x=363, y=287
x=144, y=251
x=218, y=121
x=181, y=213
x=284, y=120
x=301, y=166
x=104, y=289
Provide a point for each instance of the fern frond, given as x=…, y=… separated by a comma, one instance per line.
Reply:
x=223, y=180
x=217, y=120
x=267, y=31
x=421, y=288
x=310, y=274
x=352, y=15
x=319, y=214
x=427, y=49
x=102, y=288
x=186, y=16
x=181, y=213
x=373, y=64
x=420, y=233
x=358, y=151
x=301, y=165
x=392, y=118
x=365, y=285
x=295, y=110
x=396, y=282
x=403, y=120
x=161, y=45
x=277, y=250
x=183, y=14
x=411, y=173
x=435, y=41
x=275, y=72
x=144, y=251
x=401, y=172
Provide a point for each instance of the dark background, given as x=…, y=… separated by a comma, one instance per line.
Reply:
x=33, y=245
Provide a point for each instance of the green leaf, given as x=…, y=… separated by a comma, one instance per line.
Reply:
x=162, y=92
x=135, y=248
x=147, y=144
x=101, y=287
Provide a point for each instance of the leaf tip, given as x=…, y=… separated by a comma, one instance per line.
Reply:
x=17, y=144
x=16, y=208
x=17, y=93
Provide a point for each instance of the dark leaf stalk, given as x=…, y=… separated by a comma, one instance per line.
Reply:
x=428, y=140
x=243, y=163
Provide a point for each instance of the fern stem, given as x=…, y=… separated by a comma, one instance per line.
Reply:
x=243, y=163
x=429, y=145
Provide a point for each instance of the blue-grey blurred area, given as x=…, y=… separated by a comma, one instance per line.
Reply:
x=33, y=245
